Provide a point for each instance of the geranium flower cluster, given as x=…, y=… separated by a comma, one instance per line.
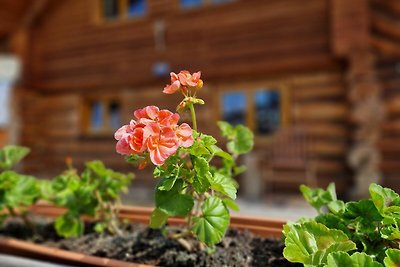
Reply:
x=183, y=81
x=155, y=131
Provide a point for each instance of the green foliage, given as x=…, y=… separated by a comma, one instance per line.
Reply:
x=17, y=192
x=341, y=259
x=240, y=138
x=192, y=187
x=211, y=226
x=310, y=243
x=11, y=155
x=95, y=193
x=392, y=258
x=372, y=225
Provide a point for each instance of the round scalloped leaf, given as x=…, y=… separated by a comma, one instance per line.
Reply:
x=211, y=226
x=341, y=259
x=311, y=242
x=392, y=258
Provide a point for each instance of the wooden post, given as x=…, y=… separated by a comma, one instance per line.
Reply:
x=350, y=40
x=367, y=116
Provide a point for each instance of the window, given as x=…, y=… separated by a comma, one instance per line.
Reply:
x=191, y=3
x=264, y=110
x=112, y=10
x=101, y=116
x=234, y=107
x=136, y=8
x=267, y=111
x=197, y=3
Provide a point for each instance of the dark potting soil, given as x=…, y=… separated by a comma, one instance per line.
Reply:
x=140, y=244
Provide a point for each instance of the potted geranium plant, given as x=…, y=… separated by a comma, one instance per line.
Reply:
x=192, y=192
x=357, y=233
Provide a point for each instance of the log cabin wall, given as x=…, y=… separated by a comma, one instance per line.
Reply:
x=385, y=40
x=74, y=57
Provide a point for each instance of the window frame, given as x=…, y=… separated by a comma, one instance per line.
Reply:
x=249, y=91
x=123, y=16
x=86, y=115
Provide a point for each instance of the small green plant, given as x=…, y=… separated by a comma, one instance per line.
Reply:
x=95, y=192
x=356, y=233
x=11, y=156
x=17, y=191
x=190, y=185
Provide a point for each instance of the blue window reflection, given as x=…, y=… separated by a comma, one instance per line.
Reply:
x=96, y=120
x=234, y=107
x=267, y=111
x=136, y=8
x=191, y=3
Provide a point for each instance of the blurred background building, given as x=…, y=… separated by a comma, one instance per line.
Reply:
x=316, y=80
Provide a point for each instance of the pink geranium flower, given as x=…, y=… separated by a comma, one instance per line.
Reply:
x=182, y=81
x=155, y=131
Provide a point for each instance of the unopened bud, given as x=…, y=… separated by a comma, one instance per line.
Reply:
x=199, y=84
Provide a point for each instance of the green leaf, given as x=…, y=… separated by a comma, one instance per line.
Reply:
x=342, y=259
x=229, y=203
x=226, y=129
x=220, y=153
x=158, y=218
x=311, y=242
x=336, y=206
x=318, y=197
x=211, y=226
x=11, y=155
x=382, y=197
x=242, y=142
x=201, y=182
x=224, y=185
x=167, y=183
x=173, y=202
x=392, y=258
x=364, y=212
x=69, y=225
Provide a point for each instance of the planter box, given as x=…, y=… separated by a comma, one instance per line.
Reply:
x=261, y=226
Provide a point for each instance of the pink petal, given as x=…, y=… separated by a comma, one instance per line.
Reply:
x=123, y=146
x=196, y=76
x=174, y=77
x=121, y=132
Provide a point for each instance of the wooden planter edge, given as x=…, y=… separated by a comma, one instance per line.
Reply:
x=264, y=227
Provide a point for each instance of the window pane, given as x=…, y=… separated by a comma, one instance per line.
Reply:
x=191, y=3
x=234, y=107
x=267, y=111
x=96, y=118
x=110, y=9
x=221, y=1
x=136, y=7
x=115, y=115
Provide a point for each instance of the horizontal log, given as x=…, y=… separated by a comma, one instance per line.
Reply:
x=321, y=111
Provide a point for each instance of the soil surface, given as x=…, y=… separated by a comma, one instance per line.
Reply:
x=143, y=245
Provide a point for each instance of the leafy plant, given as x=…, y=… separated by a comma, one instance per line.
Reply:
x=11, y=155
x=190, y=184
x=356, y=233
x=17, y=191
x=95, y=192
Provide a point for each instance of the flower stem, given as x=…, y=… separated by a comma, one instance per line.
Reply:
x=193, y=113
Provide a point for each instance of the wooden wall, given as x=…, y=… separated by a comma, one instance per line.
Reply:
x=72, y=51
x=73, y=57
x=385, y=40
x=3, y=137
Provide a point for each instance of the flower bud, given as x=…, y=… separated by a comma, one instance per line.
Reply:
x=199, y=84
